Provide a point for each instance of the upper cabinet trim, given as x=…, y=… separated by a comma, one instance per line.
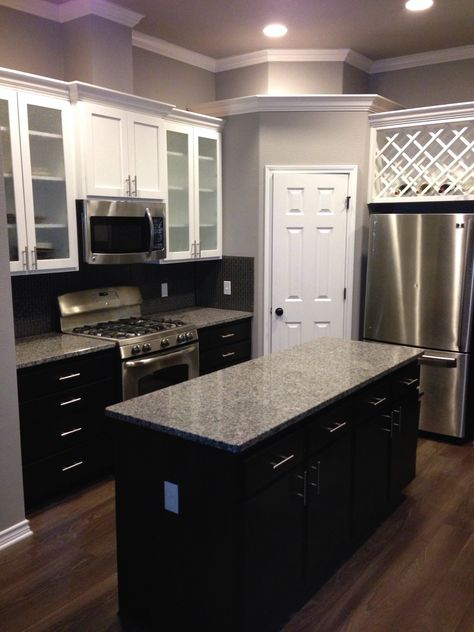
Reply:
x=299, y=103
x=424, y=115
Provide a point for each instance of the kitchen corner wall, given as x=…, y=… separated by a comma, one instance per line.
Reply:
x=189, y=284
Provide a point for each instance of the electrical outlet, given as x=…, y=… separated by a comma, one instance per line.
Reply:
x=164, y=290
x=227, y=287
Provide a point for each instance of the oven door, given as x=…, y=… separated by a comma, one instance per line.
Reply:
x=160, y=370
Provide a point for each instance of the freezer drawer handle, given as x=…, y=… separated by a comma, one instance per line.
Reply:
x=438, y=360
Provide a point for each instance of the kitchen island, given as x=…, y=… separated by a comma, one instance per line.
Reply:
x=238, y=493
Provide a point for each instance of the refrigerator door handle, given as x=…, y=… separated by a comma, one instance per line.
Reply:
x=430, y=359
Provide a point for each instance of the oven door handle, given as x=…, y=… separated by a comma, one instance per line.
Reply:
x=133, y=364
x=152, y=230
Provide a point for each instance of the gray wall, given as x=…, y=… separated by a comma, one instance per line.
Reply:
x=305, y=78
x=98, y=51
x=451, y=82
x=354, y=80
x=31, y=44
x=171, y=81
x=12, y=509
x=253, y=141
x=241, y=82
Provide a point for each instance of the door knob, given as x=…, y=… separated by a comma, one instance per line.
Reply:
x=279, y=311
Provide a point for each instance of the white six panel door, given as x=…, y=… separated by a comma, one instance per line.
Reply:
x=309, y=257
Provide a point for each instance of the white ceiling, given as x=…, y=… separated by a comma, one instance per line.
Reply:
x=378, y=29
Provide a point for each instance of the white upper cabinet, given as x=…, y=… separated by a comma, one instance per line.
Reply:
x=122, y=153
x=194, y=192
x=423, y=154
x=39, y=181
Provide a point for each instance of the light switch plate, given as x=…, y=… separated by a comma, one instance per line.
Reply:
x=164, y=290
x=227, y=287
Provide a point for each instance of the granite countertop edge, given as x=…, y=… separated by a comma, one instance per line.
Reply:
x=257, y=438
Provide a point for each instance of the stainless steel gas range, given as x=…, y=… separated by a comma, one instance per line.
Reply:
x=155, y=352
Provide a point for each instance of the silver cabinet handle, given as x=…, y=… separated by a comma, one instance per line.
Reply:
x=68, y=432
x=25, y=261
x=409, y=382
x=135, y=183
x=223, y=336
x=336, y=427
x=68, y=377
x=438, y=360
x=284, y=459
x=129, y=186
x=376, y=401
x=198, y=246
x=34, y=258
x=316, y=468
x=71, y=401
x=70, y=467
x=228, y=355
x=303, y=477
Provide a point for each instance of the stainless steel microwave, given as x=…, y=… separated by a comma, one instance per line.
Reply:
x=123, y=231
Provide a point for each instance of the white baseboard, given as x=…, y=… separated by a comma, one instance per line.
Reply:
x=14, y=534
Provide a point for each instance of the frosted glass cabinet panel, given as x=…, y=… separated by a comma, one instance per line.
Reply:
x=194, y=192
x=38, y=182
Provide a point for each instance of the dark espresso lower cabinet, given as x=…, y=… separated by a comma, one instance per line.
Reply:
x=240, y=540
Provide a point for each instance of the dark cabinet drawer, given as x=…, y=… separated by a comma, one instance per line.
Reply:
x=224, y=356
x=325, y=427
x=273, y=461
x=47, y=427
x=406, y=381
x=64, y=471
x=64, y=375
x=373, y=400
x=219, y=335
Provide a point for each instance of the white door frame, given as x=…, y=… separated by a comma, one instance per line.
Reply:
x=270, y=170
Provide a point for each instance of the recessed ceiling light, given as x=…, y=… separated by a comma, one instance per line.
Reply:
x=275, y=30
x=418, y=5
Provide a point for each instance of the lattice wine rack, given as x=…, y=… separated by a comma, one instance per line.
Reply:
x=424, y=161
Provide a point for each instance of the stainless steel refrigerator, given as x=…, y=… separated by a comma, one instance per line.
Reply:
x=420, y=293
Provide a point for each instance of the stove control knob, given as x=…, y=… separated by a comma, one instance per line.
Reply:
x=181, y=338
x=165, y=342
x=146, y=347
x=189, y=335
x=135, y=350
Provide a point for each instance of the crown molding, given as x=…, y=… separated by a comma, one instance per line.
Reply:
x=196, y=118
x=423, y=59
x=79, y=91
x=74, y=9
x=26, y=81
x=425, y=115
x=369, y=103
x=161, y=47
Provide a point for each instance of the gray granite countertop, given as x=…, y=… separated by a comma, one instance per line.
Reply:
x=36, y=350
x=204, y=316
x=237, y=407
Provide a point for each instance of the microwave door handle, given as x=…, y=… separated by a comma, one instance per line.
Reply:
x=150, y=222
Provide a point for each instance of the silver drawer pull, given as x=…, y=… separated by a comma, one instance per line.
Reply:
x=68, y=432
x=284, y=460
x=70, y=467
x=71, y=401
x=228, y=355
x=336, y=427
x=227, y=335
x=68, y=377
x=409, y=382
x=376, y=401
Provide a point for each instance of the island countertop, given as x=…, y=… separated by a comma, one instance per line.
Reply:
x=237, y=407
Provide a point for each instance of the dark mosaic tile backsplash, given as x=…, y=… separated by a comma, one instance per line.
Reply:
x=189, y=284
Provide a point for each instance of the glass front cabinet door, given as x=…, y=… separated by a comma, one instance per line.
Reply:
x=194, y=193
x=38, y=176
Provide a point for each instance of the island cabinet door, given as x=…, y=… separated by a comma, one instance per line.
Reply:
x=273, y=570
x=328, y=505
x=371, y=459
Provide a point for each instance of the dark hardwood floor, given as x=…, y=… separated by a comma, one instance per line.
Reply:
x=415, y=574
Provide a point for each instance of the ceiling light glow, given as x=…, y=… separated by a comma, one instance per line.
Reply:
x=418, y=5
x=275, y=30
